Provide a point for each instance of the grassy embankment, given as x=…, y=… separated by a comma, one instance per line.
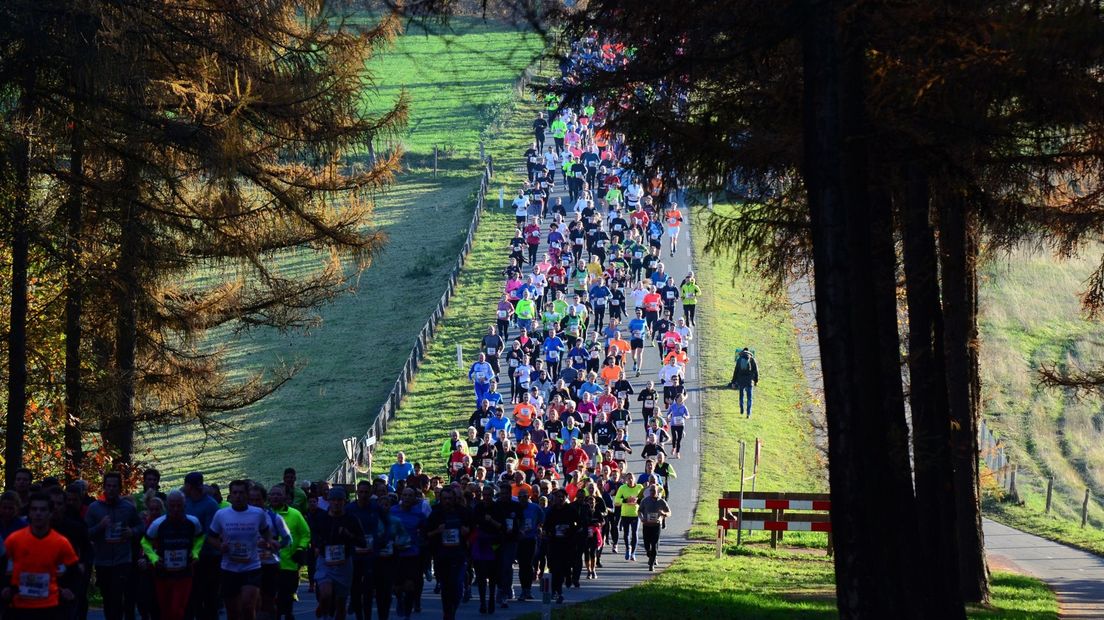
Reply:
x=458, y=83
x=755, y=582
x=1030, y=315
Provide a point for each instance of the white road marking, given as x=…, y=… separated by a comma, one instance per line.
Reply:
x=692, y=371
x=697, y=446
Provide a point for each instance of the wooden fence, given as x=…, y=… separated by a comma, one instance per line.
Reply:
x=358, y=451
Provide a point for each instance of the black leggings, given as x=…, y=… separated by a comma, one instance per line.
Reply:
x=676, y=438
x=628, y=528
x=486, y=579
x=688, y=310
x=651, y=542
x=383, y=582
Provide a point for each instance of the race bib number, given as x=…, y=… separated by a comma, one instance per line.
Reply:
x=553, y=355
x=509, y=525
x=526, y=461
x=457, y=466
x=239, y=552
x=670, y=294
x=176, y=559
x=600, y=243
x=491, y=350
x=578, y=241
x=599, y=301
x=677, y=421
x=649, y=403
x=488, y=463
x=528, y=524
x=34, y=585
x=450, y=537
x=619, y=424
x=648, y=517
x=502, y=314
x=334, y=555
x=513, y=363
x=619, y=455
x=636, y=333
x=483, y=422
x=561, y=530
x=387, y=550
x=114, y=534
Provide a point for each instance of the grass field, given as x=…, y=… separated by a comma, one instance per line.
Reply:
x=441, y=397
x=1030, y=315
x=754, y=582
x=458, y=81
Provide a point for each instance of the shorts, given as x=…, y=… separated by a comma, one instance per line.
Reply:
x=672, y=231
x=637, y=343
x=232, y=583
x=341, y=575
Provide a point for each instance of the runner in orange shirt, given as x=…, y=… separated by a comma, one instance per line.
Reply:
x=679, y=356
x=524, y=414
x=35, y=554
x=619, y=347
x=608, y=402
x=673, y=220
x=527, y=455
x=611, y=372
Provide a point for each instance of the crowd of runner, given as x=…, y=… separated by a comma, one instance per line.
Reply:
x=564, y=404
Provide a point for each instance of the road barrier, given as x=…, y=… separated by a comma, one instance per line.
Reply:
x=813, y=515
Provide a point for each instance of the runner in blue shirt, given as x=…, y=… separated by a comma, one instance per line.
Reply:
x=553, y=348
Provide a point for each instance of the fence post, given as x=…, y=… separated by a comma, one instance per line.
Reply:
x=482, y=152
x=1012, y=483
x=1085, y=509
x=1050, y=491
x=435, y=161
x=460, y=356
x=740, y=518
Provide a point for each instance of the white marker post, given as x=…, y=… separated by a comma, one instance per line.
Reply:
x=501, y=198
x=460, y=356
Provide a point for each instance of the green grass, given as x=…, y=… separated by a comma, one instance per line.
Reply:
x=755, y=582
x=458, y=83
x=441, y=398
x=760, y=584
x=1030, y=315
x=735, y=310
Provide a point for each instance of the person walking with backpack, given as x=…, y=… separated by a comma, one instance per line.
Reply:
x=745, y=376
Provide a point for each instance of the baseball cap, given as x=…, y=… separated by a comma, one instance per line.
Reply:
x=336, y=493
x=194, y=478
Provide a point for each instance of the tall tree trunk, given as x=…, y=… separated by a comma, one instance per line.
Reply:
x=19, y=158
x=958, y=254
x=126, y=331
x=74, y=301
x=864, y=455
x=931, y=424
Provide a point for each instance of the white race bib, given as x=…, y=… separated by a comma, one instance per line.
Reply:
x=176, y=559
x=34, y=585
x=619, y=424
x=488, y=463
x=450, y=537
x=334, y=555
x=491, y=350
x=239, y=552
x=619, y=455
x=561, y=530
x=503, y=314
x=483, y=422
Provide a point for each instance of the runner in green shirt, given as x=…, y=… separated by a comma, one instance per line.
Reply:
x=690, y=292
x=627, y=499
x=559, y=130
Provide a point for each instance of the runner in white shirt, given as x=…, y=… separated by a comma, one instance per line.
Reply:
x=521, y=207
x=240, y=531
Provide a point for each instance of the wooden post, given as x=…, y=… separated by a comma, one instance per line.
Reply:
x=434, y=160
x=740, y=522
x=775, y=515
x=482, y=152
x=1050, y=491
x=720, y=540
x=1012, y=483
x=1085, y=509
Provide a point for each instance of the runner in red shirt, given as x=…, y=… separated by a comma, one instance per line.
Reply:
x=572, y=457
